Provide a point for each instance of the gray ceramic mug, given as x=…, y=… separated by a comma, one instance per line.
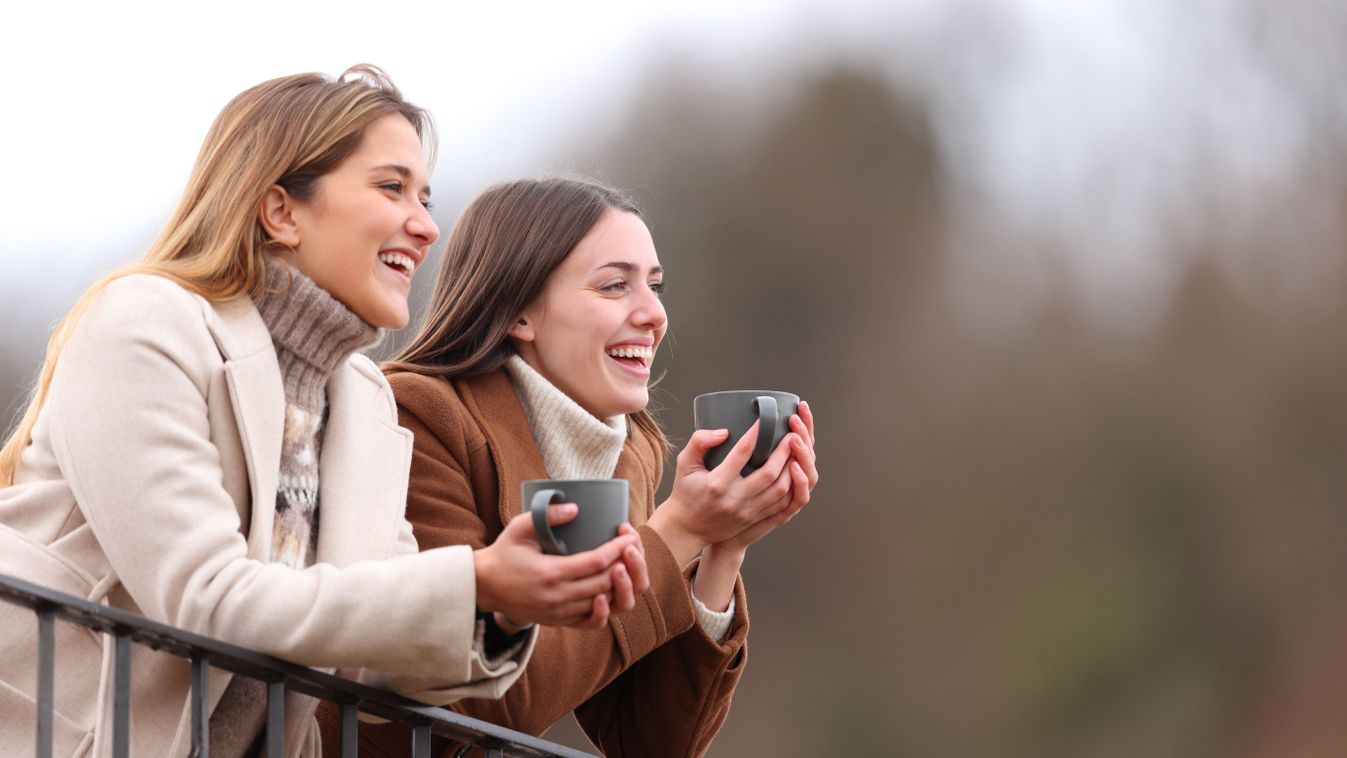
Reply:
x=736, y=410
x=603, y=508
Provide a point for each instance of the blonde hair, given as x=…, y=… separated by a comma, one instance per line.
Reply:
x=289, y=132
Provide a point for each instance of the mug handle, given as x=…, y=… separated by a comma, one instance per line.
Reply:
x=767, y=421
x=538, y=509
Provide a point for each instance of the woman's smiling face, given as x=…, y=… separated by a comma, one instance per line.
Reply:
x=367, y=227
x=594, y=330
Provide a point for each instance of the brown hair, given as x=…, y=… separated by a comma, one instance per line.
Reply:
x=288, y=131
x=496, y=261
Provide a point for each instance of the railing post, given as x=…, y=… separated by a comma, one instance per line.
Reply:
x=421, y=741
x=46, y=680
x=200, y=711
x=349, y=736
x=121, y=699
x=276, y=719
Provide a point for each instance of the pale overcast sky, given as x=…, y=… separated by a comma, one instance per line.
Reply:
x=106, y=103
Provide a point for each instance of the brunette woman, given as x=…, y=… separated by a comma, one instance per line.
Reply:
x=534, y=362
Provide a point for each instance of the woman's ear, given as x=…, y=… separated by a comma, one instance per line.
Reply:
x=277, y=214
x=522, y=330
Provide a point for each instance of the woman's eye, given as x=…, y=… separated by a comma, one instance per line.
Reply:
x=657, y=288
x=429, y=206
x=614, y=287
x=394, y=187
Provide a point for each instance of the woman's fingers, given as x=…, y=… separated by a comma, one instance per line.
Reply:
x=598, y=615
x=519, y=529
x=693, y=455
x=561, y=590
x=739, y=454
x=585, y=587
x=800, y=487
x=560, y=513
x=596, y=561
x=634, y=559
x=771, y=499
x=770, y=472
x=802, y=423
x=805, y=456
x=624, y=598
x=577, y=611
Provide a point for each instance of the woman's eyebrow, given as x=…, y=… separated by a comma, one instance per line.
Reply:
x=628, y=267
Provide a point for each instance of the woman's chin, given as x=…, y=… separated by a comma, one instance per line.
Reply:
x=636, y=404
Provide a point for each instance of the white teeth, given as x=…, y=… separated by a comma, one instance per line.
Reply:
x=398, y=259
x=633, y=351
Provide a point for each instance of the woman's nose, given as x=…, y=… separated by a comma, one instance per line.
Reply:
x=422, y=226
x=651, y=310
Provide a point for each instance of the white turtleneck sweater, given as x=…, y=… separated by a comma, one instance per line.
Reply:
x=577, y=445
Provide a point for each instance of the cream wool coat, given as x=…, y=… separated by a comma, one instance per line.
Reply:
x=162, y=428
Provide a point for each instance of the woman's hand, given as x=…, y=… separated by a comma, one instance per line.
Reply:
x=712, y=505
x=802, y=423
x=630, y=577
x=714, y=582
x=803, y=476
x=785, y=510
x=523, y=586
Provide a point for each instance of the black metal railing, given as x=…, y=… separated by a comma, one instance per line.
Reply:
x=280, y=676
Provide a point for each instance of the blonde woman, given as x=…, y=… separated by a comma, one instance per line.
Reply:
x=206, y=447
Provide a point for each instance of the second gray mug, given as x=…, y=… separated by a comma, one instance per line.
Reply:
x=603, y=508
x=736, y=410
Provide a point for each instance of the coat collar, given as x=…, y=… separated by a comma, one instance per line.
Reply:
x=365, y=456
x=257, y=397
x=494, y=405
x=492, y=401
x=365, y=462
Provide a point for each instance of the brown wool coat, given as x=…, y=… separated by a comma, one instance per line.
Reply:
x=650, y=683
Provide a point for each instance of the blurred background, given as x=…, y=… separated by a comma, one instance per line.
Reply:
x=1064, y=282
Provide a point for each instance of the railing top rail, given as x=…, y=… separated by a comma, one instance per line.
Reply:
x=381, y=703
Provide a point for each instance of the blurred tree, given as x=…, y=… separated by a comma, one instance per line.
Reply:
x=1063, y=539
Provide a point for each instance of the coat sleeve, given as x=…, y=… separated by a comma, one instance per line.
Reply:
x=650, y=663
x=685, y=684
x=130, y=424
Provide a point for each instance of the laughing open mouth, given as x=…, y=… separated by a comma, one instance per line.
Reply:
x=404, y=264
x=632, y=355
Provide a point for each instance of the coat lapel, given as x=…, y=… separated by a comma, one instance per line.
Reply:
x=258, y=400
x=361, y=435
x=494, y=405
x=365, y=462
x=632, y=467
